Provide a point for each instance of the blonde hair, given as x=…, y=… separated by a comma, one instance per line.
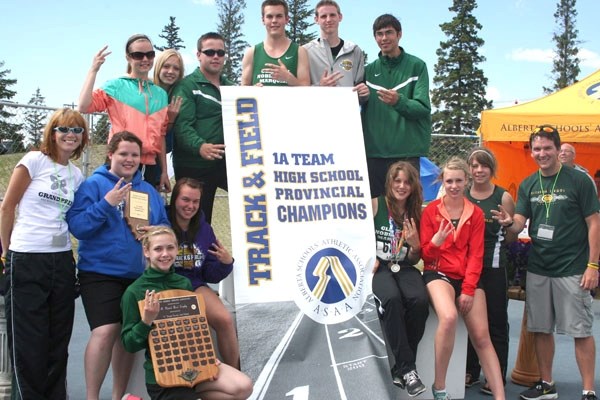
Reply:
x=455, y=164
x=161, y=60
x=155, y=231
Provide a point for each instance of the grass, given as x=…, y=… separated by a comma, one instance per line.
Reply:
x=220, y=219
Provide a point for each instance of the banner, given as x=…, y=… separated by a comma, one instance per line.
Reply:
x=299, y=199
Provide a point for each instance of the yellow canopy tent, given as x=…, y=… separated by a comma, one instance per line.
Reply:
x=574, y=111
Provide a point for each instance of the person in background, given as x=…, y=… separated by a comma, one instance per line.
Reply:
x=567, y=157
x=110, y=256
x=135, y=104
x=277, y=61
x=36, y=252
x=168, y=71
x=562, y=268
x=203, y=259
x=452, y=242
x=398, y=287
x=199, y=150
x=334, y=61
x=161, y=249
x=397, y=118
x=493, y=280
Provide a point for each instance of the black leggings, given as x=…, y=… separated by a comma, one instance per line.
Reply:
x=403, y=307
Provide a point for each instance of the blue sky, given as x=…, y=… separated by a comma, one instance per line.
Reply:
x=50, y=44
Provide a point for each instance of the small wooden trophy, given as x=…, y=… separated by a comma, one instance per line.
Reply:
x=180, y=342
x=137, y=212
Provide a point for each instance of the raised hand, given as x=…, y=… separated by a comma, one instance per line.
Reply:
x=218, y=250
x=173, y=109
x=444, y=230
x=118, y=193
x=99, y=58
x=328, y=79
x=151, y=307
x=411, y=234
x=278, y=71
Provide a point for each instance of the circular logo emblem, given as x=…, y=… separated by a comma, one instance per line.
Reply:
x=330, y=282
x=346, y=65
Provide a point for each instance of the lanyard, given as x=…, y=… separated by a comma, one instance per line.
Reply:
x=547, y=198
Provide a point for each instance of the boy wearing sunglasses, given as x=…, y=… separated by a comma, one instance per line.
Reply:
x=199, y=150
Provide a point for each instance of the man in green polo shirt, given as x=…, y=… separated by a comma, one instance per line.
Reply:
x=564, y=227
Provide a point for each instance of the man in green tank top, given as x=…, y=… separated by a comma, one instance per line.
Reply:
x=277, y=61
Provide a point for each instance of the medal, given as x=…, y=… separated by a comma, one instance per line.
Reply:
x=395, y=268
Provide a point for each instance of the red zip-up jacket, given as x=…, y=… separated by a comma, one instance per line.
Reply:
x=461, y=254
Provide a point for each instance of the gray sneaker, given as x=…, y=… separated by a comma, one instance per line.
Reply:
x=414, y=386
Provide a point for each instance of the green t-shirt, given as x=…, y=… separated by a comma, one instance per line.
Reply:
x=290, y=59
x=570, y=198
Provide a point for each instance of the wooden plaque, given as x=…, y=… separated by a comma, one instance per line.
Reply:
x=180, y=342
x=137, y=211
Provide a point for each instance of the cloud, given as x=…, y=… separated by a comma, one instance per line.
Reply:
x=520, y=4
x=587, y=57
x=204, y=2
x=532, y=55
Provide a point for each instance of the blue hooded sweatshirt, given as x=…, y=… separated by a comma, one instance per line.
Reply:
x=106, y=244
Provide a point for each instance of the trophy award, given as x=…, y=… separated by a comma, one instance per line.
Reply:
x=180, y=342
x=137, y=212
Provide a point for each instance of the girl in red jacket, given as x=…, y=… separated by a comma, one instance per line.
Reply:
x=452, y=249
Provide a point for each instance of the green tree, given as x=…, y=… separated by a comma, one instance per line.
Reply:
x=565, y=66
x=231, y=19
x=171, y=34
x=300, y=12
x=10, y=139
x=459, y=90
x=101, y=129
x=35, y=119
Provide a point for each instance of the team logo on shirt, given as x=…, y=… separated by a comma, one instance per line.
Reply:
x=329, y=280
x=346, y=65
x=189, y=256
x=58, y=183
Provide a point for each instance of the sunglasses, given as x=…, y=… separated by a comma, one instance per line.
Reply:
x=139, y=55
x=547, y=129
x=211, y=52
x=66, y=129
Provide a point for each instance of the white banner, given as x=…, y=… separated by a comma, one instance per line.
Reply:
x=300, y=207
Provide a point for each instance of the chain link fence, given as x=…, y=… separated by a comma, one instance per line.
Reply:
x=22, y=125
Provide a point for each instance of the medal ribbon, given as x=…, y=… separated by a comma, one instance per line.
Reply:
x=397, y=240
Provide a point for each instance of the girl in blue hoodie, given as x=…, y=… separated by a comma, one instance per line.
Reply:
x=110, y=257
